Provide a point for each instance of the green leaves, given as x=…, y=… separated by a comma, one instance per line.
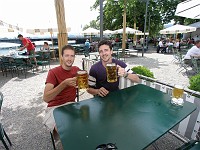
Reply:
x=195, y=83
x=143, y=71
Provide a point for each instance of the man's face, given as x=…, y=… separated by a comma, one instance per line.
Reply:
x=198, y=45
x=68, y=57
x=21, y=38
x=105, y=53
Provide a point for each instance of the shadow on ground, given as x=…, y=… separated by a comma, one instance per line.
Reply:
x=25, y=128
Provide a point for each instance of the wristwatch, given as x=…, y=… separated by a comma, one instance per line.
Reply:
x=125, y=74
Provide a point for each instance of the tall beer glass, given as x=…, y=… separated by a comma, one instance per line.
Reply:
x=111, y=71
x=82, y=78
x=177, y=92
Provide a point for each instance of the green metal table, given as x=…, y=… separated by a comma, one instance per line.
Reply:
x=131, y=118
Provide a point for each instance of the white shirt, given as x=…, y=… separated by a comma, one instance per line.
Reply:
x=193, y=51
x=160, y=44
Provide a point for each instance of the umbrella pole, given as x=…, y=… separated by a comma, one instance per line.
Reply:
x=62, y=31
x=52, y=45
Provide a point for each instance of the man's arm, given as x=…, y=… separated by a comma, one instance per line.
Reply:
x=50, y=92
x=25, y=46
x=123, y=73
x=101, y=92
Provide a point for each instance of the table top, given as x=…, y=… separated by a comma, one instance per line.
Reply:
x=132, y=118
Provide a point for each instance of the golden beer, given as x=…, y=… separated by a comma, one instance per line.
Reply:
x=177, y=92
x=82, y=78
x=111, y=71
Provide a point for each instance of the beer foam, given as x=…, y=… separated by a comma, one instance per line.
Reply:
x=112, y=64
x=82, y=72
x=178, y=86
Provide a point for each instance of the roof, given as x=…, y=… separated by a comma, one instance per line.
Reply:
x=196, y=24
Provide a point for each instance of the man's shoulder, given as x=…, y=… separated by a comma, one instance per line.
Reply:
x=96, y=65
x=119, y=62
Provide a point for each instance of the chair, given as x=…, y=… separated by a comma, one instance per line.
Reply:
x=7, y=65
x=195, y=65
x=43, y=59
x=2, y=131
x=51, y=134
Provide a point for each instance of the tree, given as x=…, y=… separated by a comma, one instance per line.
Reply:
x=93, y=24
x=159, y=11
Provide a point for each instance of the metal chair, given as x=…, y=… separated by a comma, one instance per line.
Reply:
x=2, y=131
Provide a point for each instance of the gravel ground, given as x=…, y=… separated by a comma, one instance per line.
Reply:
x=23, y=107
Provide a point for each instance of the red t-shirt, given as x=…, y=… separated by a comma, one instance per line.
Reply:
x=30, y=45
x=55, y=77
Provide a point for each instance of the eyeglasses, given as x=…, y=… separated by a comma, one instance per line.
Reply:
x=109, y=146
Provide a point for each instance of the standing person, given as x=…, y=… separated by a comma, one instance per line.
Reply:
x=60, y=88
x=97, y=76
x=87, y=47
x=29, y=46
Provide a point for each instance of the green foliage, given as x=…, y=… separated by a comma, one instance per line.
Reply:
x=195, y=83
x=93, y=24
x=160, y=12
x=143, y=71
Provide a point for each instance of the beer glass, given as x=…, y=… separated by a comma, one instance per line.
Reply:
x=82, y=78
x=177, y=92
x=111, y=71
x=177, y=95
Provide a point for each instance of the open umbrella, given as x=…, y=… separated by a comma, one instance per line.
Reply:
x=177, y=29
x=128, y=31
x=91, y=31
x=107, y=32
x=189, y=9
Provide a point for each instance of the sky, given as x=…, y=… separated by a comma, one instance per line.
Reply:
x=34, y=14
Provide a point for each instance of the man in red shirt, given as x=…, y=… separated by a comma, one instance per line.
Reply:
x=60, y=86
x=28, y=45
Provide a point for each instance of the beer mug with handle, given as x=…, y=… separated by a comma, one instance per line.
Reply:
x=177, y=95
x=111, y=71
x=82, y=78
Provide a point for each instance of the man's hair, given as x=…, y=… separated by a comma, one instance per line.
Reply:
x=197, y=41
x=20, y=35
x=105, y=42
x=46, y=43
x=67, y=47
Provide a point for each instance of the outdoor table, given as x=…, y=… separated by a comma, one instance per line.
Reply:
x=21, y=56
x=131, y=118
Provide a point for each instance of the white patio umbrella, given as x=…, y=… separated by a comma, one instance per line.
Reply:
x=189, y=9
x=146, y=33
x=107, y=32
x=91, y=31
x=177, y=29
x=128, y=31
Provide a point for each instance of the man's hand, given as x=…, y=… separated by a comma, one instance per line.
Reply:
x=70, y=81
x=102, y=92
x=121, y=71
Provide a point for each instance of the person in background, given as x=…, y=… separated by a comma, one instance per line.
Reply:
x=160, y=45
x=87, y=47
x=98, y=84
x=177, y=45
x=60, y=86
x=195, y=52
x=27, y=44
x=45, y=46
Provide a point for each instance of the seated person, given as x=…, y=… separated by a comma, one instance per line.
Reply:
x=98, y=84
x=45, y=46
x=60, y=88
x=194, y=51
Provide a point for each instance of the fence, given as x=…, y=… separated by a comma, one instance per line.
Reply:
x=190, y=126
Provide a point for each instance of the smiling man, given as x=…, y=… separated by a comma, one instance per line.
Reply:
x=60, y=86
x=97, y=77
